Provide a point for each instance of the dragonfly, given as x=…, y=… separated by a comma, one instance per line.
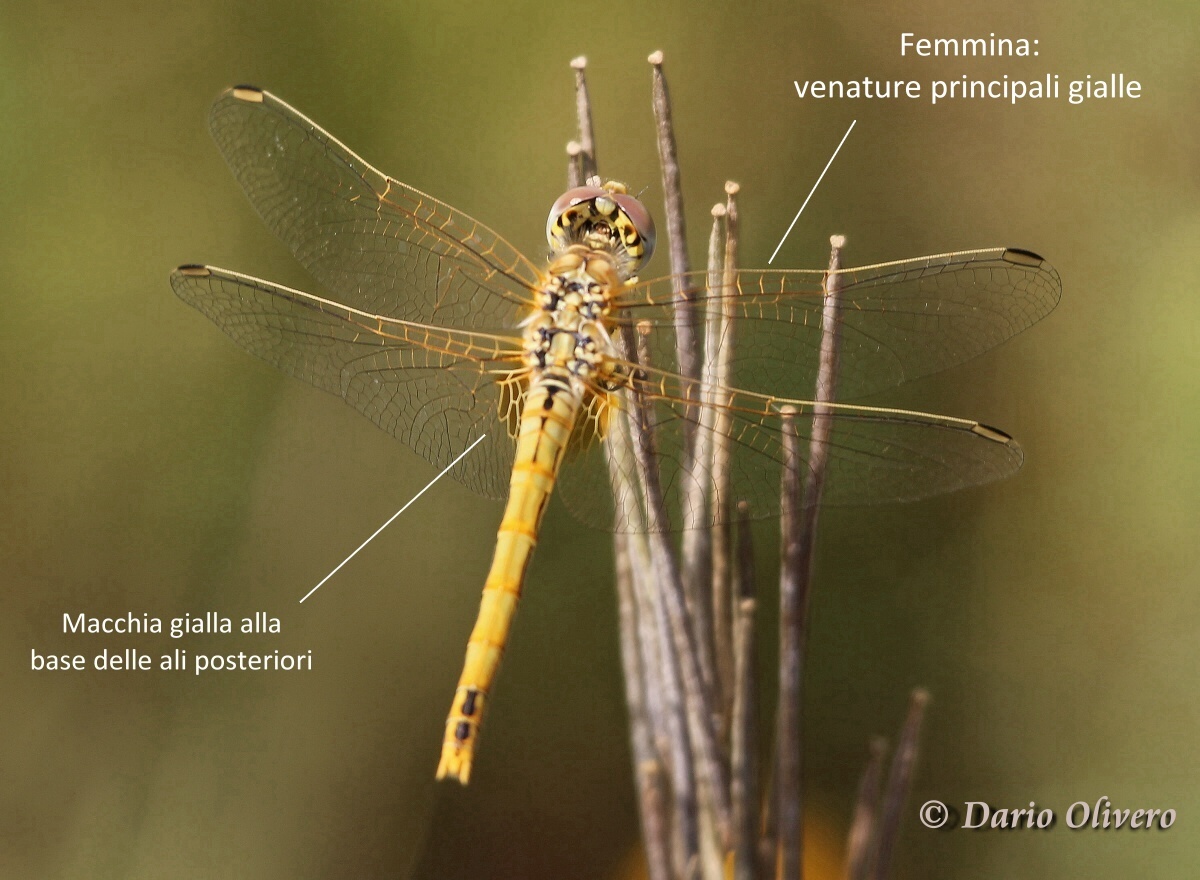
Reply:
x=442, y=333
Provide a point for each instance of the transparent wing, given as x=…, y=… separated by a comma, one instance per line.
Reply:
x=875, y=454
x=432, y=388
x=379, y=245
x=897, y=320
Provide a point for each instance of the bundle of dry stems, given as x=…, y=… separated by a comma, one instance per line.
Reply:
x=687, y=615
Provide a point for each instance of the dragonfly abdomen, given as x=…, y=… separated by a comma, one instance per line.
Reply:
x=547, y=420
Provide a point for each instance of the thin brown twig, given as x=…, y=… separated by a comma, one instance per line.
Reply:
x=666, y=701
x=898, y=784
x=697, y=661
x=787, y=790
x=687, y=349
x=686, y=836
x=866, y=807
x=583, y=109
x=696, y=552
x=652, y=796
x=744, y=718
x=659, y=693
x=634, y=543
x=801, y=508
x=720, y=591
x=574, y=165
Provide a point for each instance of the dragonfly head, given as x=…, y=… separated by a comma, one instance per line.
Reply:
x=604, y=218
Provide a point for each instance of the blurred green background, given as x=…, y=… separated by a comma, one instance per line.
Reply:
x=150, y=466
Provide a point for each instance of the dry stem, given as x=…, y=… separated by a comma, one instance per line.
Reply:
x=898, y=784
x=687, y=627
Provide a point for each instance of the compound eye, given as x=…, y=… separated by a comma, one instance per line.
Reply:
x=642, y=222
x=569, y=199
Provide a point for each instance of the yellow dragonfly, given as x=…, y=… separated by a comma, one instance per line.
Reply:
x=441, y=332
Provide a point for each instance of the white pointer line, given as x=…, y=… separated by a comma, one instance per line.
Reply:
x=810, y=193
x=394, y=515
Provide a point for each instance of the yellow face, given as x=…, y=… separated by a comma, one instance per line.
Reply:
x=605, y=219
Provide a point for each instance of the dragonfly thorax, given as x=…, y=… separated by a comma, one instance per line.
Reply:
x=573, y=348
x=582, y=282
x=567, y=334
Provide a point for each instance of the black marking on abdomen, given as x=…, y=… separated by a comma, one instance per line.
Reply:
x=552, y=386
x=462, y=731
x=468, y=706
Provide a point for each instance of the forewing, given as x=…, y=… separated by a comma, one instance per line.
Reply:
x=897, y=321
x=379, y=245
x=434, y=389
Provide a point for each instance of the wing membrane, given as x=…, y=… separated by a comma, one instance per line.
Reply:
x=433, y=388
x=876, y=454
x=897, y=320
x=378, y=244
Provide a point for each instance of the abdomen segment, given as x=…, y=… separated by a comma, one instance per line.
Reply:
x=547, y=419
